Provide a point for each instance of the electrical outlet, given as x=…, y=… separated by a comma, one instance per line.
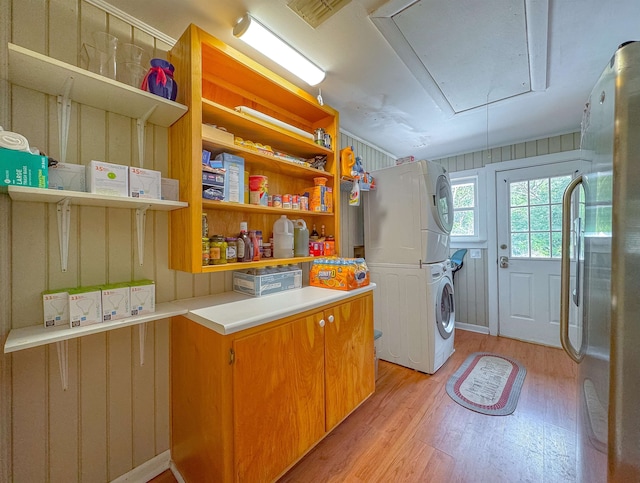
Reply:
x=475, y=253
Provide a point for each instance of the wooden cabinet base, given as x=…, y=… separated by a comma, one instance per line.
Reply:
x=248, y=406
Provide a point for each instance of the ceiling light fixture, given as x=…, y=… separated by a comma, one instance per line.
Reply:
x=263, y=40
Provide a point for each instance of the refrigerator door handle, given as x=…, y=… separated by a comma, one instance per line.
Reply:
x=565, y=273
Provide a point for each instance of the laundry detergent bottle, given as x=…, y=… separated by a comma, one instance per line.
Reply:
x=283, y=238
x=300, y=239
x=347, y=160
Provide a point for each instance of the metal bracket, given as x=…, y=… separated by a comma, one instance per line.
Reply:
x=142, y=335
x=64, y=221
x=142, y=124
x=63, y=362
x=141, y=219
x=64, y=117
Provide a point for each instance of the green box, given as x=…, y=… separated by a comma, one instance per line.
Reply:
x=19, y=168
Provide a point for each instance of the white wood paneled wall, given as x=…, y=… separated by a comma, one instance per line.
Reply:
x=114, y=415
x=471, y=290
x=352, y=217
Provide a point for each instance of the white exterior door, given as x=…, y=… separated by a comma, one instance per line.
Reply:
x=529, y=220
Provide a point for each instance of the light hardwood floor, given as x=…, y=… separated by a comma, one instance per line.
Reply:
x=410, y=430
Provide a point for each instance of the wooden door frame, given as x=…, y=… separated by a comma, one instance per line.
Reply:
x=492, y=171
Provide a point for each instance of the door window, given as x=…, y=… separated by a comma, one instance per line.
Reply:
x=535, y=217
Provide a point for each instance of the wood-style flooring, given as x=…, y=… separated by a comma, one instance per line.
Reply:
x=410, y=430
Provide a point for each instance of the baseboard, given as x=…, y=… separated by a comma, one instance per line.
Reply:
x=147, y=470
x=176, y=473
x=472, y=328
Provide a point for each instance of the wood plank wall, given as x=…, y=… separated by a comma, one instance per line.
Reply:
x=114, y=415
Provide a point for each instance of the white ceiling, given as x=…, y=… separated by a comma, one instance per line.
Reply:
x=535, y=61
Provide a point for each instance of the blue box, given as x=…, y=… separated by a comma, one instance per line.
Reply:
x=19, y=168
x=213, y=184
x=234, y=171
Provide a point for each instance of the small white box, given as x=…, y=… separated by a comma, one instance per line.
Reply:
x=66, y=176
x=85, y=306
x=170, y=189
x=107, y=178
x=144, y=183
x=116, y=301
x=56, y=307
x=143, y=297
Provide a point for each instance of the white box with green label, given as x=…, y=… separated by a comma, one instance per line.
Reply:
x=116, y=302
x=107, y=179
x=85, y=306
x=143, y=297
x=55, y=304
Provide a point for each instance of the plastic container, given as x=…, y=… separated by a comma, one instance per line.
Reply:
x=300, y=239
x=347, y=160
x=283, y=238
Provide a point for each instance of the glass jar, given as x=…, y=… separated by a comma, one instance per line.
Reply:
x=217, y=250
x=232, y=249
x=205, y=251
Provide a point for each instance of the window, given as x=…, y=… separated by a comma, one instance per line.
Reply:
x=468, y=219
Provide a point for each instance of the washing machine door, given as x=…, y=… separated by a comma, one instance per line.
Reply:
x=443, y=207
x=445, y=312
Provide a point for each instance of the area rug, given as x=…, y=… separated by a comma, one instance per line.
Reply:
x=487, y=383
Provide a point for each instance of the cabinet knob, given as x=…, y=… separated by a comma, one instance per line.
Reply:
x=321, y=322
x=331, y=319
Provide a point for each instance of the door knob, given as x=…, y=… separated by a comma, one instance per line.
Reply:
x=504, y=262
x=331, y=319
x=321, y=323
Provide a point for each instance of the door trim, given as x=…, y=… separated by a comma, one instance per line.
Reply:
x=492, y=170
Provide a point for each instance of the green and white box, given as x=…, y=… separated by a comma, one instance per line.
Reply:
x=144, y=183
x=55, y=304
x=85, y=306
x=116, y=302
x=19, y=168
x=67, y=176
x=143, y=297
x=107, y=179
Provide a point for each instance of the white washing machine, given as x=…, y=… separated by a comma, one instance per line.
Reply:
x=414, y=309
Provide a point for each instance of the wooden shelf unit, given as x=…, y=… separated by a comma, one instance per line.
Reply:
x=214, y=79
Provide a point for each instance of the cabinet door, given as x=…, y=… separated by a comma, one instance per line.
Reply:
x=278, y=393
x=349, y=364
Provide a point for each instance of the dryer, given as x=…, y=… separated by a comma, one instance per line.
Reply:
x=408, y=217
x=414, y=309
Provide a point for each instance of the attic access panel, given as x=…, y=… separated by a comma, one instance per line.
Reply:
x=474, y=52
x=315, y=12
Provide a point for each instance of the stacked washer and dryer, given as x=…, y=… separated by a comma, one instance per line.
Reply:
x=408, y=219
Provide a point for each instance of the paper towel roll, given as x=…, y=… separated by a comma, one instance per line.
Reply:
x=15, y=141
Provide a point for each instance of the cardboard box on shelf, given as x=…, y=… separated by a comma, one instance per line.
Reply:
x=85, y=306
x=143, y=297
x=116, y=301
x=234, y=177
x=213, y=183
x=213, y=134
x=67, y=176
x=19, y=168
x=144, y=183
x=258, y=285
x=107, y=179
x=55, y=304
x=170, y=189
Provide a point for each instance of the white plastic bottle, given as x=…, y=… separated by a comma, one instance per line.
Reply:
x=283, y=238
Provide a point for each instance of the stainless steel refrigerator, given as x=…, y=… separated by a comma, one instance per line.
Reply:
x=606, y=261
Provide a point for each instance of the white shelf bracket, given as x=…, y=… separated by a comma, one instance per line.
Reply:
x=64, y=117
x=63, y=362
x=142, y=124
x=142, y=331
x=141, y=220
x=64, y=221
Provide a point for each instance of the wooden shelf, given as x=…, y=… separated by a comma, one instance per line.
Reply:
x=21, y=193
x=37, y=335
x=41, y=73
x=265, y=262
x=267, y=210
x=253, y=129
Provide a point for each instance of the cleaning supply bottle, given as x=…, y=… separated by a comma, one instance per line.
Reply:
x=300, y=239
x=283, y=238
x=347, y=160
x=354, y=195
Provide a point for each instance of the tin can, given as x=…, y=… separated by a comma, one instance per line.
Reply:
x=277, y=201
x=205, y=251
x=295, y=202
x=304, y=203
x=270, y=200
x=327, y=140
x=286, y=202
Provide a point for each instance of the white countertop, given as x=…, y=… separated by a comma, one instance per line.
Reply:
x=231, y=312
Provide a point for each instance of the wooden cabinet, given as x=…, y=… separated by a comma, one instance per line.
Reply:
x=247, y=406
x=213, y=80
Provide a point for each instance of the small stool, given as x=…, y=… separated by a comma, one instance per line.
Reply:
x=376, y=335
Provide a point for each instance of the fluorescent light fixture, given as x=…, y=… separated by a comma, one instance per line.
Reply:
x=263, y=40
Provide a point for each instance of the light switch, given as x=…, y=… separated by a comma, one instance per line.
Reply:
x=475, y=253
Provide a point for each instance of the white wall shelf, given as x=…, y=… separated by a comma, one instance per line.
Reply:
x=64, y=199
x=37, y=335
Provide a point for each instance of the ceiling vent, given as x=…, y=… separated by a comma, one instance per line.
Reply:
x=315, y=12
